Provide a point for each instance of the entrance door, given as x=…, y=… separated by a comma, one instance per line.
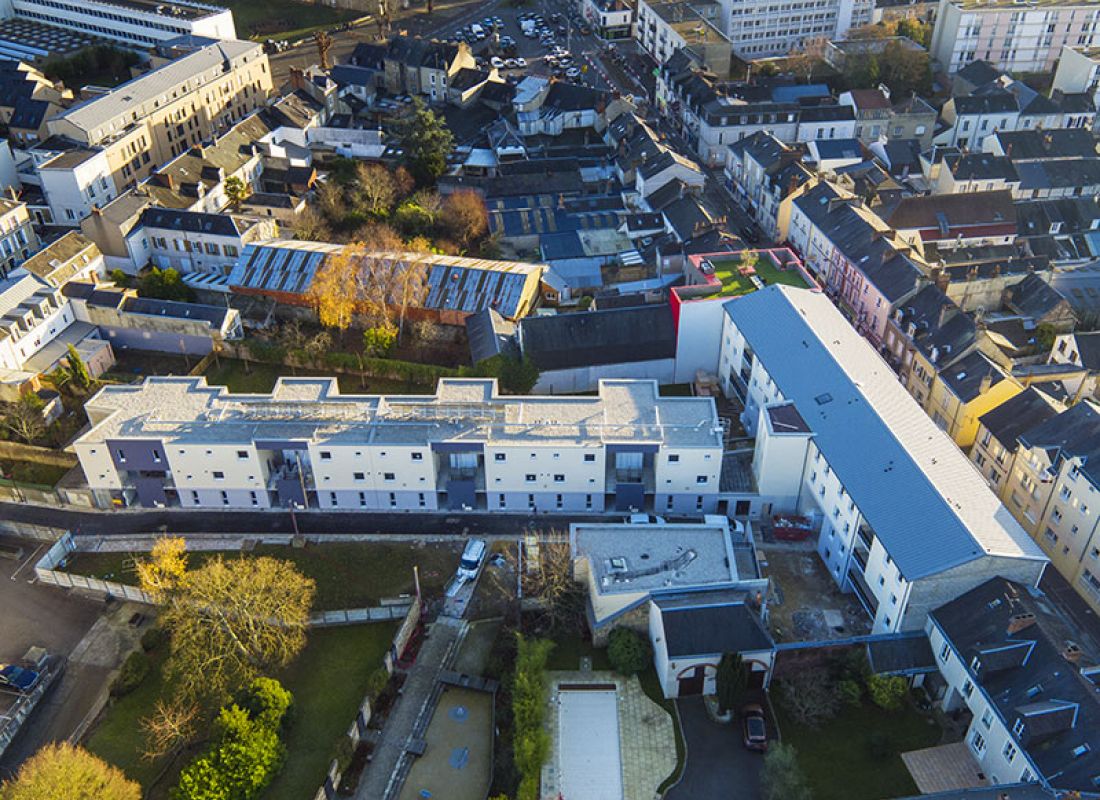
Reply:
x=692, y=682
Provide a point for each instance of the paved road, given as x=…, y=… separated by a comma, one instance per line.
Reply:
x=122, y=523
x=718, y=765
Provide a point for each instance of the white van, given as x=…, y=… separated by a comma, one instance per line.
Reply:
x=471, y=559
x=478, y=31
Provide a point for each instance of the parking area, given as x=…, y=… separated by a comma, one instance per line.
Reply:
x=718, y=765
x=64, y=625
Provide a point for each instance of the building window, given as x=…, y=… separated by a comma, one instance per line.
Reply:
x=700, y=478
x=225, y=498
x=326, y=455
x=987, y=718
x=668, y=503
x=242, y=454
x=589, y=457
x=420, y=499
x=531, y=501
x=588, y=501
x=417, y=456
x=977, y=741
x=499, y=456
x=1018, y=727
x=332, y=499
x=195, y=497
x=219, y=476
x=1009, y=752
x=968, y=688
x=699, y=502
x=558, y=501
x=359, y=476
x=363, y=499
x=393, y=500
x=673, y=458
x=530, y=477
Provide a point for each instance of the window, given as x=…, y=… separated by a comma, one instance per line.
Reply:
x=673, y=458
x=195, y=497
x=1018, y=727
x=225, y=498
x=219, y=476
x=420, y=501
x=1009, y=752
x=500, y=501
x=393, y=500
x=699, y=502
x=559, y=478
x=388, y=476
x=417, y=456
x=333, y=501
x=558, y=501
x=530, y=477
x=700, y=478
x=588, y=501
x=242, y=454
x=589, y=457
x=499, y=456
x=359, y=476
x=987, y=718
x=977, y=741
x=326, y=455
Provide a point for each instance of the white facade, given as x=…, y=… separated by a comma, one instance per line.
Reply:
x=1078, y=72
x=138, y=23
x=73, y=187
x=32, y=314
x=760, y=28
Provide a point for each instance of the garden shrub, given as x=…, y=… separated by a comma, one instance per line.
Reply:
x=134, y=670
x=887, y=691
x=530, y=740
x=627, y=651
x=153, y=638
x=850, y=692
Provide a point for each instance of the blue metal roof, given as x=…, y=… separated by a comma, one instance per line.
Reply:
x=924, y=500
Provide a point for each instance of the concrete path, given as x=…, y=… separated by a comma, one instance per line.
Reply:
x=434, y=655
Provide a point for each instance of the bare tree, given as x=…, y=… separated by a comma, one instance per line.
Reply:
x=312, y=226
x=376, y=190
x=318, y=345
x=23, y=418
x=549, y=579
x=169, y=727
x=810, y=696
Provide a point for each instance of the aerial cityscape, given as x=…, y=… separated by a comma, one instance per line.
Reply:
x=549, y=400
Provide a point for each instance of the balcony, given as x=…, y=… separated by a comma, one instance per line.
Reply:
x=866, y=535
x=863, y=591
x=860, y=555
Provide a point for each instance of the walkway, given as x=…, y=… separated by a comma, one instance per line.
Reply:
x=718, y=765
x=411, y=706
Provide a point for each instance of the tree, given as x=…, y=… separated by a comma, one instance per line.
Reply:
x=165, y=568
x=887, y=691
x=60, y=771
x=375, y=190
x=378, y=342
x=810, y=697
x=330, y=200
x=311, y=226
x=426, y=142
x=23, y=419
x=318, y=345
x=236, y=191
x=781, y=777
x=230, y=620
x=731, y=682
x=531, y=741
x=165, y=285
x=77, y=369
x=465, y=216
x=169, y=727
x=518, y=375
x=627, y=651
x=550, y=581
x=332, y=292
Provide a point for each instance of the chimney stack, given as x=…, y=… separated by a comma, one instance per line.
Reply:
x=1019, y=622
x=1071, y=651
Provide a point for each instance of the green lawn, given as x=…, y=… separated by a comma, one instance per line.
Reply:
x=567, y=654
x=284, y=19
x=328, y=682
x=349, y=575
x=258, y=378
x=31, y=472
x=735, y=284
x=837, y=757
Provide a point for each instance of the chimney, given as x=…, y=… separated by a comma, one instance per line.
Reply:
x=1071, y=652
x=1019, y=622
x=166, y=180
x=987, y=382
x=946, y=313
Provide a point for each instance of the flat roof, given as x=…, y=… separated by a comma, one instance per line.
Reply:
x=178, y=409
x=923, y=498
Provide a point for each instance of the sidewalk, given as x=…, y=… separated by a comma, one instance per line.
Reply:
x=415, y=694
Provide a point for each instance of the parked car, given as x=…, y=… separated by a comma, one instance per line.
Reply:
x=471, y=559
x=510, y=63
x=18, y=678
x=572, y=73
x=496, y=62
x=754, y=728
x=521, y=62
x=792, y=528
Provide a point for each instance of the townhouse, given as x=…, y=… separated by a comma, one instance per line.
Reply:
x=135, y=23
x=995, y=446
x=762, y=172
x=177, y=441
x=953, y=220
x=1012, y=36
x=162, y=114
x=1054, y=491
x=840, y=440
x=961, y=173
x=190, y=241
x=1051, y=163
x=872, y=111
x=1027, y=679
x=17, y=237
x=965, y=390
x=411, y=65
x=854, y=255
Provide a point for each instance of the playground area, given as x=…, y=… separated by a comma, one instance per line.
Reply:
x=457, y=762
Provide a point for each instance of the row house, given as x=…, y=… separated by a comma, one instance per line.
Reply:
x=1009, y=105
x=838, y=439
x=177, y=441
x=953, y=220
x=854, y=255
x=1017, y=671
x=999, y=431
x=411, y=65
x=762, y=172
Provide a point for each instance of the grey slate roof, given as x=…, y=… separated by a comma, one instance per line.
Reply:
x=1028, y=145
x=1019, y=414
x=694, y=628
x=1058, y=708
x=1033, y=297
x=1073, y=433
x=594, y=338
x=489, y=334
x=965, y=376
x=901, y=654
x=876, y=439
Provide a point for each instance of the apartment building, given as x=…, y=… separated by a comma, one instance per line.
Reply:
x=134, y=23
x=963, y=391
x=17, y=237
x=610, y=19
x=174, y=441
x=190, y=241
x=1027, y=678
x=905, y=521
x=1078, y=72
x=1054, y=491
x=665, y=26
x=156, y=117
x=1015, y=37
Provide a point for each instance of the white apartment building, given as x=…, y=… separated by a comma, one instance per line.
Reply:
x=136, y=23
x=906, y=522
x=1078, y=72
x=32, y=314
x=771, y=28
x=1007, y=658
x=17, y=237
x=177, y=441
x=191, y=241
x=1013, y=36
x=75, y=181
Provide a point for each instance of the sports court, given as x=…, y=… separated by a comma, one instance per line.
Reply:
x=589, y=758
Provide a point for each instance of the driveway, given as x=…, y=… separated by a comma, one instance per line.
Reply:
x=717, y=763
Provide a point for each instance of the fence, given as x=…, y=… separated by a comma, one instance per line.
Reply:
x=14, y=451
x=11, y=721
x=357, y=616
x=60, y=550
x=358, y=728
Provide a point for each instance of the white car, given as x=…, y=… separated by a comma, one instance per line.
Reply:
x=521, y=62
x=572, y=72
x=510, y=63
x=496, y=62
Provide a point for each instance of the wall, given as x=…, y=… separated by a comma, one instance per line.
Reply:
x=698, y=336
x=585, y=379
x=40, y=455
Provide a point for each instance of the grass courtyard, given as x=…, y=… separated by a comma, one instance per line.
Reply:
x=284, y=19
x=734, y=284
x=857, y=754
x=351, y=575
x=328, y=681
x=30, y=473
